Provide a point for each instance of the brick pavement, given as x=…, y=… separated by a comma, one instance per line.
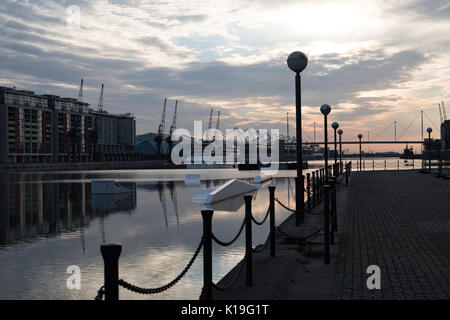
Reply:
x=381, y=229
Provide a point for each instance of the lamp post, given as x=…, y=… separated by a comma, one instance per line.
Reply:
x=297, y=62
x=429, y=130
x=325, y=109
x=335, y=125
x=340, y=132
x=360, y=152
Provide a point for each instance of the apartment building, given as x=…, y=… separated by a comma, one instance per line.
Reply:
x=49, y=128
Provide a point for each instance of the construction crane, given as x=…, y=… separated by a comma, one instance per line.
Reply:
x=100, y=100
x=443, y=111
x=80, y=93
x=161, y=129
x=210, y=120
x=172, y=129
x=441, y=117
x=218, y=120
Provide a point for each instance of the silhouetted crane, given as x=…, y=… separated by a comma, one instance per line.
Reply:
x=443, y=111
x=218, y=120
x=100, y=100
x=210, y=120
x=172, y=129
x=80, y=93
x=161, y=129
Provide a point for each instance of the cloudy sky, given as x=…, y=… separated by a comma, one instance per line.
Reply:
x=373, y=61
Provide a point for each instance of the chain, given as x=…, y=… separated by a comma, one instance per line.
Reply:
x=226, y=244
x=136, y=289
x=236, y=276
x=264, y=220
x=303, y=239
x=284, y=206
x=100, y=293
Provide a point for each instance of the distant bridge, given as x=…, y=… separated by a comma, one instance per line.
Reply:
x=331, y=141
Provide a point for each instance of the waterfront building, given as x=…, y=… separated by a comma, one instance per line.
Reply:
x=48, y=128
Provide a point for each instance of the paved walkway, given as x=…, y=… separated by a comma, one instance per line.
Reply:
x=400, y=222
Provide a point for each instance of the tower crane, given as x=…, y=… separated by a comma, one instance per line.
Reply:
x=210, y=120
x=80, y=93
x=440, y=113
x=100, y=100
x=172, y=129
x=161, y=129
x=218, y=120
x=443, y=111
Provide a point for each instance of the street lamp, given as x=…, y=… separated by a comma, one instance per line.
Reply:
x=429, y=130
x=297, y=62
x=325, y=109
x=340, y=132
x=360, y=152
x=335, y=125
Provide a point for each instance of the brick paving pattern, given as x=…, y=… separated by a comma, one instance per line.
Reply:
x=377, y=232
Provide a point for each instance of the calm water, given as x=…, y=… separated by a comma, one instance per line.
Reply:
x=49, y=221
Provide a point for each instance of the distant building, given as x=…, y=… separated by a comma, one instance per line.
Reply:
x=48, y=128
x=445, y=135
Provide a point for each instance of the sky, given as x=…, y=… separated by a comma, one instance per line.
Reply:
x=374, y=62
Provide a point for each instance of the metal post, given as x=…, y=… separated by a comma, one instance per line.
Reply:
x=272, y=219
x=360, y=152
x=111, y=253
x=332, y=187
x=207, y=254
x=299, y=186
x=384, y=165
x=346, y=174
x=341, y=167
x=248, y=239
x=326, y=215
x=335, y=151
x=364, y=165
x=308, y=190
x=314, y=191
x=398, y=165
x=333, y=206
x=325, y=127
x=373, y=164
x=299, y=199
x=429, y=151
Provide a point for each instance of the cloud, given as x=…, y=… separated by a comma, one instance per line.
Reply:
x=229, y=55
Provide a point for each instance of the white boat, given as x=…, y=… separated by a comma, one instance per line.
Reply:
x=230, y=189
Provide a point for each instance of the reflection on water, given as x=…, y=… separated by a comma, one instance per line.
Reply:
x=49, y=221
x=33, y=210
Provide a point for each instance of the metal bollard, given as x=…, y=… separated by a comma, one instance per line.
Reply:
x=398, y=165
x=333, y=193
x=111, y=253
x=326, y=227
x=308, y=190
x=373, y=164
x=248, y=239
x=207, y=254
x=346, y=175
x=314, y=191
x=364, y=165
x=384, y=165
x=272, y=219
